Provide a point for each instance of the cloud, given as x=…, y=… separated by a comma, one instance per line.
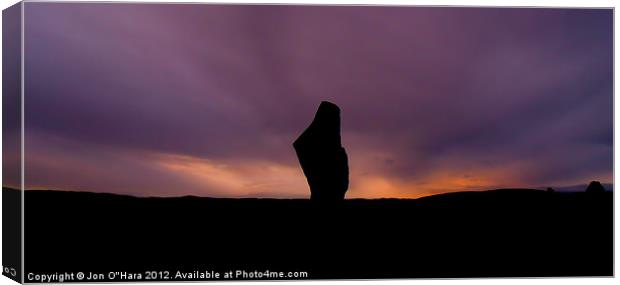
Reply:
x=428, y=95
x=239, y=179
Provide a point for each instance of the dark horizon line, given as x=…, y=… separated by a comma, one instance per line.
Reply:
x=308, y=198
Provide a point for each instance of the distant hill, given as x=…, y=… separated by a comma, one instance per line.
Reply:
x=582, y=187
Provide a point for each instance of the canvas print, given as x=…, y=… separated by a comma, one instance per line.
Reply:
x=219, y=142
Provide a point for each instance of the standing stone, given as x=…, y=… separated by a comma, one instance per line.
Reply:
x=322, y=157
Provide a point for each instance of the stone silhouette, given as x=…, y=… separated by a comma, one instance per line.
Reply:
x=595, y=187
x=322, y=157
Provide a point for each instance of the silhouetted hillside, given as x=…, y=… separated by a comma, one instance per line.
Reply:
x=582, y=187
x=508, y=233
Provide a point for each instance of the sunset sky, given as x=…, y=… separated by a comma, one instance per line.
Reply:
x=169, y=100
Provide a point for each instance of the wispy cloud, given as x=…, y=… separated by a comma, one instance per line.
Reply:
x=189, y=97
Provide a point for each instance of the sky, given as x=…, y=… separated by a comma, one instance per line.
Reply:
x=172, y=99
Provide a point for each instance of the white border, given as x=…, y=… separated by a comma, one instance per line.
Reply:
x=23, y=136
x=494, y=3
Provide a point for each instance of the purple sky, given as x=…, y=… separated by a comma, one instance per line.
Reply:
x=206, y=100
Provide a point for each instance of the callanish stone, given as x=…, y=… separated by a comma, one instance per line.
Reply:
x=322, y=157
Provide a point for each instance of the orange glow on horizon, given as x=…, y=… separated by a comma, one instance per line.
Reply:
x=274, y=180
x=159, y=174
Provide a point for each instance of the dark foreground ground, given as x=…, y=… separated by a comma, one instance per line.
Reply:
x=501, y=233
